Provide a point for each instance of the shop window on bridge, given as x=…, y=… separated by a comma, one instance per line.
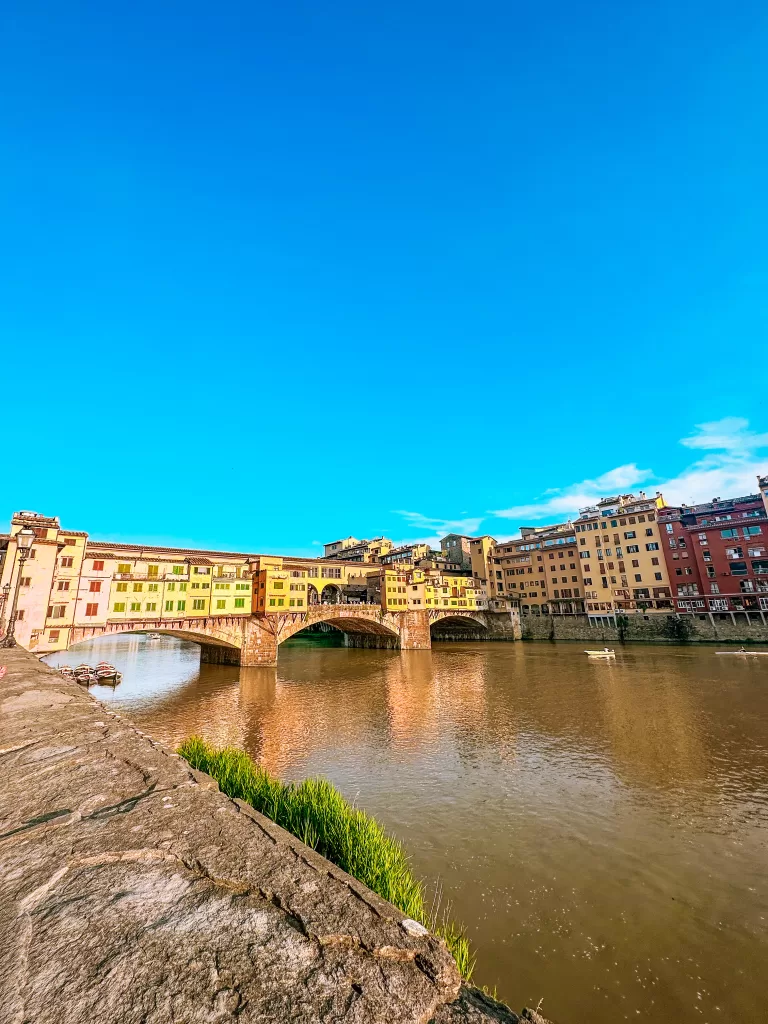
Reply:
x=221, y=604
x=181, y=606
x=119, y=606
x=239, y=602
x=168, y=606
x=123, y=567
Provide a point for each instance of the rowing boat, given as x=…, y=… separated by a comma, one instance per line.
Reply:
x=605, y=653
x=746, y=654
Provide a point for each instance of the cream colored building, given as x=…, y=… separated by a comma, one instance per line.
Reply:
x=621, y=557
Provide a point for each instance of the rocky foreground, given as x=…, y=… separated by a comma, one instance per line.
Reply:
x=132, y=890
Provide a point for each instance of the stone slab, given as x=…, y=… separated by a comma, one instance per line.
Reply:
x=133, y=891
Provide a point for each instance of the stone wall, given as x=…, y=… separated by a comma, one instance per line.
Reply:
x=651, y=629
x=132, y=890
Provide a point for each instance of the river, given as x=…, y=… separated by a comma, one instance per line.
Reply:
x=600, y=828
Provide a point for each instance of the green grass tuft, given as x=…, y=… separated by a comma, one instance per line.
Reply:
x=316, y=813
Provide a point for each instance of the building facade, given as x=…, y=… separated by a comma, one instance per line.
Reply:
x=717, y=555
x=540, y=571
x=621, y=557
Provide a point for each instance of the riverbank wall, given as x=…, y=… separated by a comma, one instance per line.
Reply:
x=131, y=889
x=674, y=629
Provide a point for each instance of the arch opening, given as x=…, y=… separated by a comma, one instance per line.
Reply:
x=458, y=628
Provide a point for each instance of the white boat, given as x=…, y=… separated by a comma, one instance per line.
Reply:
x=605, y=653
x=153, y=636
x=746, y=654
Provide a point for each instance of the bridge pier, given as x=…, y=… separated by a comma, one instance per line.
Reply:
x=259, y=645
x=414, y=631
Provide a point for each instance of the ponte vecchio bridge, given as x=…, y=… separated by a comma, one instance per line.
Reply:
x=238, y=607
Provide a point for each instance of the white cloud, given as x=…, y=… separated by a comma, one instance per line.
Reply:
x=418, y=521
x=729, y=469
x=730, y=434
x=567, y=501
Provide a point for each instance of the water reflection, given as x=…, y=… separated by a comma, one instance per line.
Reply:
x=600, y=827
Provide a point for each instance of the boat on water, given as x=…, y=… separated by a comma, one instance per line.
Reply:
x=107, y=674
x=104, y=674
x=746, y=654
x=154, y=636
x=605, y=653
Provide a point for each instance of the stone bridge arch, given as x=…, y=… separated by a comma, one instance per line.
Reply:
x=458, y=624
x=220, y=639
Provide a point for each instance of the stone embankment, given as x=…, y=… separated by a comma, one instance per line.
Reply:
x=132, y=890
x=655, y=628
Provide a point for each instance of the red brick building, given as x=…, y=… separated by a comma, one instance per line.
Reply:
x=717, y=556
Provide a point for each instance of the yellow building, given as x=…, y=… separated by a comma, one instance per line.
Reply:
x=622, y=558
x=419, y=589
x=352, y=550
x=282, y=584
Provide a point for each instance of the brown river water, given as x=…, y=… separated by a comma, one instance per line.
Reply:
x=600, y=828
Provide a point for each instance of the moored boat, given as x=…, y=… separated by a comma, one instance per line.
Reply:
x=605, y=653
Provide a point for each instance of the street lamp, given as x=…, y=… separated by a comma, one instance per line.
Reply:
x=24, y=540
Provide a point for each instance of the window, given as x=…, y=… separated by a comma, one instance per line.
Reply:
x=649, y=532
x=734, y=552
x=124, y=567
x=738, y=568
x=751, y=531
x=182, y=586
x=658, y=576
x=278, y=584
x=635, y=563
x=181, y=606
x=98, y=566
x=198, y=604
x=178, y=570
x=135, y=606
x=95, y=587
x=26, y=581
x=633, y=549
x=121, y=587
x=630, y=535
x=652, y=547
x=638, y=578
x=221, y=603
x=63, y=585
x=56, y=611
x=171, y=586
x=668, y=527
x=152, y=570
x=138, y=587
x=153, y=587
x=91, y=610
x=53, y=636
x=239, y=602
x=654, y=561
x=67, y=563
x=19, y=614
x=119, y=606
x=169, y=606
x=152, y=606
x=725, y=534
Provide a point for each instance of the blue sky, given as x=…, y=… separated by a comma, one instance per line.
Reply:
x=285, y=272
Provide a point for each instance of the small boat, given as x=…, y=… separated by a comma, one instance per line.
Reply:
x=67, y=671
x=605, y=653
x=106, y=673
x=746, y=654
x=153, y=636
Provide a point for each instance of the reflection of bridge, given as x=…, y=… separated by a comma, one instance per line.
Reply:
x=254, y=640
